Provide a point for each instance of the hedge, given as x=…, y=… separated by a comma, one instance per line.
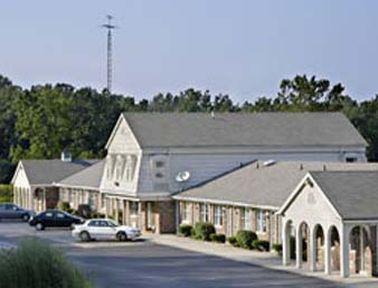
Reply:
x=6, y=193
x=261, y=245
x=202, y=230
x=219, y=238
x=185, y=230
x=245, y=238
x=233, y=241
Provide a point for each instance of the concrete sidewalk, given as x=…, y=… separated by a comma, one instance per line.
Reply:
x=264, y=259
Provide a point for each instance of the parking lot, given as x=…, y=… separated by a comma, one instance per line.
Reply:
x=145, y=264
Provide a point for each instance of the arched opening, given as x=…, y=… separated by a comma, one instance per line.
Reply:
x=334, y=238
x=360, y=252
x=319, y=247
x=289, y=235
x=302, y=242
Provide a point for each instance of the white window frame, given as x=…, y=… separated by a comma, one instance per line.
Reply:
x=186, y=213
x=218, y=216
x=261, y=219
x=204, y=212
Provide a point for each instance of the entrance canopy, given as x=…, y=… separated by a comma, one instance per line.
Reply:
x=333, y=201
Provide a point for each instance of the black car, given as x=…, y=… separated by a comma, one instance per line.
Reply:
x=54, y=218
x=12, y=211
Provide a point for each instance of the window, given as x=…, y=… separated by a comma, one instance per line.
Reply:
x=218, y=216
x=159, y=164
x=350, y=159
x=204, y=212
x=261, y=221
x=48, y=215
x=186, y=212
x=60, y=215
x=134, y=208
x=245, y=215
x=94, y=223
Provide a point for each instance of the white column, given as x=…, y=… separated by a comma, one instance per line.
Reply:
x=327, y=252
x=177, y=215
x=285, y=245
x=311, y=252
x=344, y=253
x=298, y=247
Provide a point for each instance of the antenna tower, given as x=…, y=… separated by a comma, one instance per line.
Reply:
x=109, y=26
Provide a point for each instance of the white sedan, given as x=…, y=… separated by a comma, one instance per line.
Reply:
x=104, y=229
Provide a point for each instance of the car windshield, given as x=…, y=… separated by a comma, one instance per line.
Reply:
x=112, y=223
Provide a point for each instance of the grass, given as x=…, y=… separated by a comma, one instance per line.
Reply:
x=35, y=264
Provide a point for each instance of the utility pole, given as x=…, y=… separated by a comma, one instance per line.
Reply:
x=109, y=26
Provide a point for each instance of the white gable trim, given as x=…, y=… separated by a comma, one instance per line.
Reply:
x=19, y=166
x=299, y=189
x=115, y=129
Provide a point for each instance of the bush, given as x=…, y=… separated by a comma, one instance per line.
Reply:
x=233, y=241
x=65, y=206
x=219, y=238
x=6, y=193
x=202, y=230
x=245, y=238
x=185, y=230
x=277, y=248
x=261, y=245
x=36, y=264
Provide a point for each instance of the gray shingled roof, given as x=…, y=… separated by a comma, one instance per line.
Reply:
x=263, y=186
x=242, y=129
x=354, y=194
x=49, y=171
x=89, y=177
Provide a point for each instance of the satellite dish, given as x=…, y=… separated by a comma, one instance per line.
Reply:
x=182, y=176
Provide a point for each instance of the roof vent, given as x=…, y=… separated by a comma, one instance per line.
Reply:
x=66, y=156
x=269, y=163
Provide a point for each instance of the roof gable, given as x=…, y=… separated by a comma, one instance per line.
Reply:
x=243, y=129
x=46, y=172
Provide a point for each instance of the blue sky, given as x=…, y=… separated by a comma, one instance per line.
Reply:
x=240, y=47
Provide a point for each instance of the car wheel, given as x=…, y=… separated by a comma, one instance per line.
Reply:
x=121, y=236
x=39, y=226
x=25, y=217
x=84, y=236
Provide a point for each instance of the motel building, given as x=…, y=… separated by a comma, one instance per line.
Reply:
x=296, y=179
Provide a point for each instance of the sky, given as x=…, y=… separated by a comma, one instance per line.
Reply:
x=243, y=48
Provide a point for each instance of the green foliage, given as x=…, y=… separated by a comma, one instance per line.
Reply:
x=261, y=245
x=35, y=264
x=233, y=241
x=245, y=238
x=202, y=230
x=219, y=238
x=98, y=215
x=185, y=230
x=64, y=206
x=6, y=193
x=277, y=248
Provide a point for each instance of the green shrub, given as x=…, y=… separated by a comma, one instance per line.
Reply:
x=202, y=230
x=185, y=230
x=64, y=206
x=277, y=248
x=261, y=245
x=6, y=193
x=245, y=238
x=35, y=264
x=219, y=238
x=97, y=215
x=233, y=241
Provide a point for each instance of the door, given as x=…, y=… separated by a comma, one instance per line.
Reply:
x=48, y=219
x=62, y=220
x=105, y=231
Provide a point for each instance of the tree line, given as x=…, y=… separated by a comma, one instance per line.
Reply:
x=40, y=122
